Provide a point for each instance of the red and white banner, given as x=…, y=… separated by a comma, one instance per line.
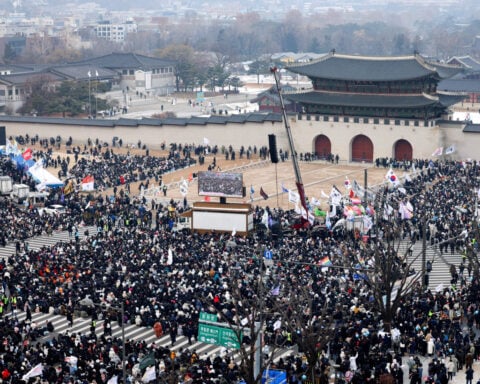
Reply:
x=88, y=183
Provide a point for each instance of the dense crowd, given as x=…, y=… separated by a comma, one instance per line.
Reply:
x=169, y=277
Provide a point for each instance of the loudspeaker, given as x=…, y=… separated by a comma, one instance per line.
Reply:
x=3, y=137
x=272, y=145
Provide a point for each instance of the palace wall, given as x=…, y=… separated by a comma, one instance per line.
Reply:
x=424, y=138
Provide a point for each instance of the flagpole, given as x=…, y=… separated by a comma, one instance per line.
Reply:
x=365, y=176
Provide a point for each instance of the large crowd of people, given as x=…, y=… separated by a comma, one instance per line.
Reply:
x=167, y=277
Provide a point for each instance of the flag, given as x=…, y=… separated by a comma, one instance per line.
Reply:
x=367, y=223
x=284, y=189
x=89, y=74
x=356, y=201
x=391, y=177
x=35, y=371
x=438, y=152
x=293, y=196
x=263, y=194
x=405, y=212
x=335, y=196
x=315, y=202
x=318, y=212
x=325, y=261
x=27, y=154
x=265, y=218
x=68, y=188
x=387, y=211
x=88, y=183
x=275, y=291
x=303, y=201
x=328, y=223
x=361, y=192
x=184, y=187
x=347, y=183
x=450, y=150
x=149, y=374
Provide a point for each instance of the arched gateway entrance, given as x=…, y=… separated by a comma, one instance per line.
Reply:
x=403, y=150
x=362, y=149
x=323, y=147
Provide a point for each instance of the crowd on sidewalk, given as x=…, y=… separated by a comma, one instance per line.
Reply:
x=169, y=277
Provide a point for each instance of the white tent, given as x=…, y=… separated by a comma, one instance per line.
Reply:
x=43, y=177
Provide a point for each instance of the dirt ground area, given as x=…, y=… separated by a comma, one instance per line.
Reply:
x=317, y=177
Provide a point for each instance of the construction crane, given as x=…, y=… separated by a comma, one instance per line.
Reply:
x=296, y=168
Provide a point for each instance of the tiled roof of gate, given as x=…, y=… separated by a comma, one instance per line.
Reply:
x=363, y=100
x=372, y=68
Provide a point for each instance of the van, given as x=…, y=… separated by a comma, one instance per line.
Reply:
x=5, y=185
x=20, y=192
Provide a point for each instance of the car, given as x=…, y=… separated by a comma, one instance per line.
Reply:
x=54, y=209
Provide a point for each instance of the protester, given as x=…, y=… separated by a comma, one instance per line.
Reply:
x=165, y=278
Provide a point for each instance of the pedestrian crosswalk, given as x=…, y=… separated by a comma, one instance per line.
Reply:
x=131, y=332
x=440, y=276
x=38, y=242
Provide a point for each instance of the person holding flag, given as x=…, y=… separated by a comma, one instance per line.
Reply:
x=392, y=177
x=347, y=183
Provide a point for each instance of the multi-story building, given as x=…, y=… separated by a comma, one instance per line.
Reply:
x=114, y=32
x=126, y=71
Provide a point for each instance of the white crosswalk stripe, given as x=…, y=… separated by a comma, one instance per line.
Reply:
x=440, y=274
x=38, y=242
x=132, y=332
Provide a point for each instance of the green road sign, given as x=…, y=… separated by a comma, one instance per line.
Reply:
x=222, y=336
x=205, y=316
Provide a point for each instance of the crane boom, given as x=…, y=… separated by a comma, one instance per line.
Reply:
x=296, y=168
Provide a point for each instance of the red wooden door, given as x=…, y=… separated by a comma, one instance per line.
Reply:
x=323, y=146
x=362, y=149
x=403, y=150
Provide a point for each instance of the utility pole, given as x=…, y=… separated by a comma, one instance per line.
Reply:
x=424, y=253
x=122, y=314
x=365, y=195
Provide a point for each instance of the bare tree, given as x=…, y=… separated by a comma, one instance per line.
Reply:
x=308, y=318
x=246, y=311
